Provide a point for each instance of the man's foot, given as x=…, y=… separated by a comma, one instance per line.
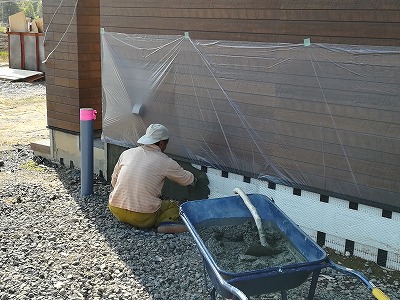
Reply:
x=172, y=228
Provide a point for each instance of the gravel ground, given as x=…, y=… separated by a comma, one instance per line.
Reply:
x=55, y=244
x=21, y=90
x=3, y=42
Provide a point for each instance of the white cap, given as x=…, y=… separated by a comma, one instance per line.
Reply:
x=154, y=134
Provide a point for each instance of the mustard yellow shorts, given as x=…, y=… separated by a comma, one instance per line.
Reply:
x=168, y=212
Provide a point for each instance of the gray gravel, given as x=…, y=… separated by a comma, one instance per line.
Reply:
x=21, y=90
x=55, y=244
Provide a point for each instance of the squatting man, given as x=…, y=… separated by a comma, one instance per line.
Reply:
x=138, y=179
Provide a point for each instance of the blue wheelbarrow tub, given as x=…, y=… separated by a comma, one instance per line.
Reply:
x=261, y=281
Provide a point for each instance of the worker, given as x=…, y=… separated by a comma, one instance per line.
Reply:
x=138, y=178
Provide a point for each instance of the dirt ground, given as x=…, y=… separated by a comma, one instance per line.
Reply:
x=22, y=116
x=22, y=120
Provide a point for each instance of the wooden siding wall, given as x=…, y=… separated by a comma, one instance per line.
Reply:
x=354, y=22
x=369, y=22
x=346, y=144
x=73, y=71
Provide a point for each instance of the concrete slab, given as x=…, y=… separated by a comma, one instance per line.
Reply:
x=41, y=147
x=19, y=75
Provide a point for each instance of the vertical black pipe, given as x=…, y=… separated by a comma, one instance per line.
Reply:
x=87, y=116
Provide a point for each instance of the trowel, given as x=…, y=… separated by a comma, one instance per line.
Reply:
x=262, y=248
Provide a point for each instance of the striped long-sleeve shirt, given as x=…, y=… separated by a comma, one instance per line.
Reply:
x=139, y=176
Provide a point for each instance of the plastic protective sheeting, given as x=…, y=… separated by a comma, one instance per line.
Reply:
x=325, y=118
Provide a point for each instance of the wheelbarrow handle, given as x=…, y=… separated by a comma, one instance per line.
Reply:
x=376, y=292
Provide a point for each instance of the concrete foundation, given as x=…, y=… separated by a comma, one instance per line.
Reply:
x=64, y=148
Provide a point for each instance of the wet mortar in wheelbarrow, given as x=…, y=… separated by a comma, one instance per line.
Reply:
x=233, y=246
x=223, y=229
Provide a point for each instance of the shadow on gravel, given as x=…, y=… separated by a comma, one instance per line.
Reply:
x=166, y=266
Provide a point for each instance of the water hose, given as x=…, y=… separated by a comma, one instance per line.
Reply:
x=376, y=292
x=256, y=217
x=262, y=248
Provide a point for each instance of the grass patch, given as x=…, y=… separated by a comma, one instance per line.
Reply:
x=3, y=29
x=370, y=269
x=32, y=166
x=3, y=56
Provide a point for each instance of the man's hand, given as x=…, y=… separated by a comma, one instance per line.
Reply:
x=197, y=190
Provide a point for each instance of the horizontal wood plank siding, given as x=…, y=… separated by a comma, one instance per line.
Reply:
x=73, y=70
x=326, y=117
x=338, y=22
x=346, y=22
x=290, y=28
x=297, y=111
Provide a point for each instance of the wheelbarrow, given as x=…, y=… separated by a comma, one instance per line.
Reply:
x=240, y=285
